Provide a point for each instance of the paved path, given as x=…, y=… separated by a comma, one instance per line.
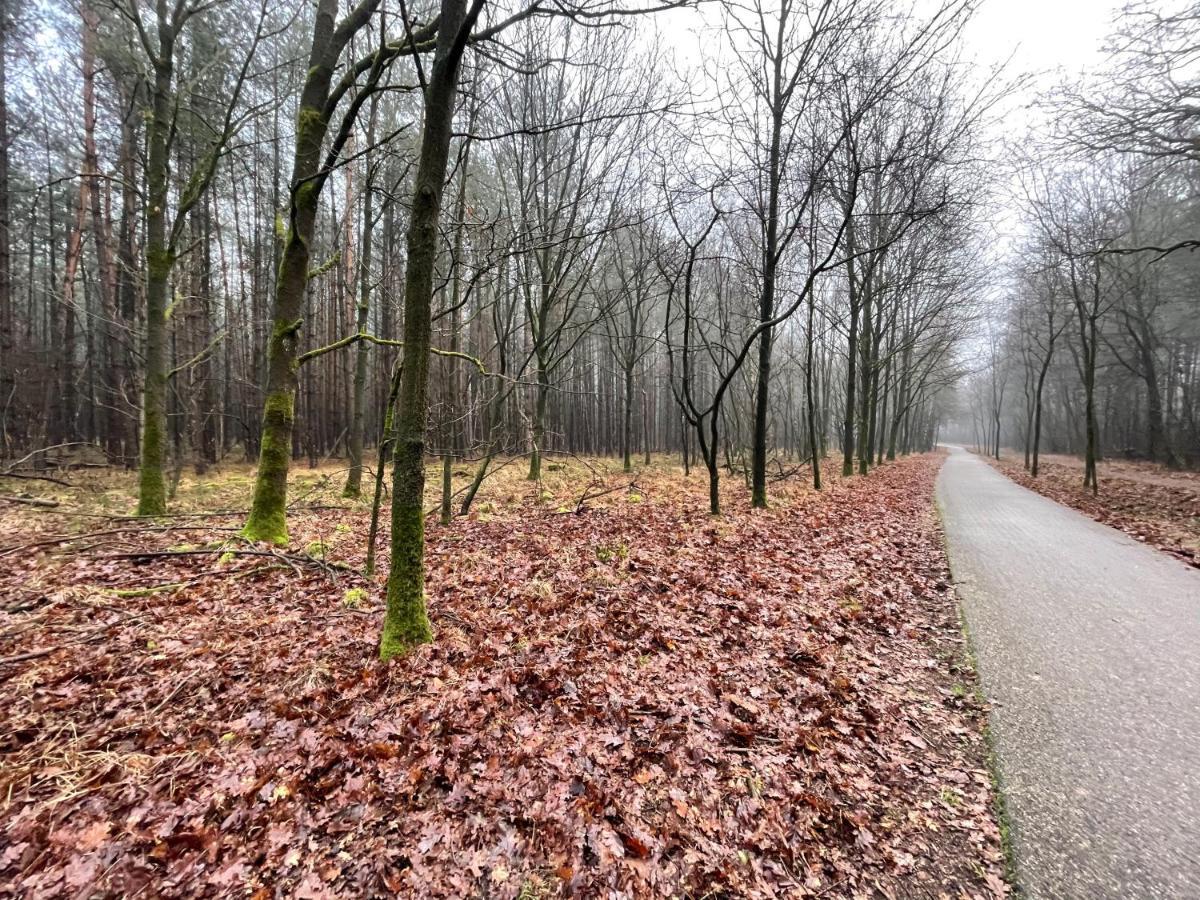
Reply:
x=1089, y=649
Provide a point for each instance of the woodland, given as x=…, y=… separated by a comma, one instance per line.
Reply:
x=467, y=448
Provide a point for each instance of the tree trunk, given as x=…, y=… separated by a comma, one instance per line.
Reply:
x=810, y=400
x=406, y=622
x=268, y=511
x=1037, y=416
x=361, y=352
x=627, y=423
x=152, y=488
x=7, y=319
x=538, y=425
x=852, y=357
x=1089, y=389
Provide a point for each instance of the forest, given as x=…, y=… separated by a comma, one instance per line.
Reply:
x=467, y=448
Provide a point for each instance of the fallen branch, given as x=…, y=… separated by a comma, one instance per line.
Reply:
x=26, y=477
x=32, y=501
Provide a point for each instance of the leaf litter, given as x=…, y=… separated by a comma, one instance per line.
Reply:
x=634, y=700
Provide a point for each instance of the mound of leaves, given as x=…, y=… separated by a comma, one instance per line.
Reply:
x=1147, y=502
x=625, y=702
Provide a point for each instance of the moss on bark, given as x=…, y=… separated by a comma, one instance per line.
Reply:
x=268, y=514
x=406, y=623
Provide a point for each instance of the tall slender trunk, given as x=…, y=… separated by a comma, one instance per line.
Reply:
x=109, y=351
x=1037, y=415
x=627, y=423
x=538, y=425
x=268, y=511
x=766, y=305
x=852, y=358
x=406, y=622
x=646, y=437
x=810, y=402
x=152, y=488
x=7, y=318
x=866, y=369
x=358, y=402
x=1157, y=446
x=1089, y=389
x=387, y=438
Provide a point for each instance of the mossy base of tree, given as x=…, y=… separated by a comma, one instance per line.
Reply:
x=268, y=511
x=406, y=623
x=267, y=529
x=405, y=626
x=152, y=494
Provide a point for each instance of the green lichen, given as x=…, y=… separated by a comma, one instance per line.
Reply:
x=309, y=120
x=324, y=267
x=268, y=513
x=152, y=485
x=305, y=195
x=406, y=623
x=159, y=262
x=152, y=492
x=405, y=628
x=284, y=330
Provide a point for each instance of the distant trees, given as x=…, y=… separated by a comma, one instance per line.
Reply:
x=1102, y=311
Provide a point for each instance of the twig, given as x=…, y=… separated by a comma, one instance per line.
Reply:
x=32, y=654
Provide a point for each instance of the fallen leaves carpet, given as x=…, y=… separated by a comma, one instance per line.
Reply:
x=632, y=701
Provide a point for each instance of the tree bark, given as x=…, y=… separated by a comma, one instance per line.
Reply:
x=268, y=511
x=406, y=622
x=358, y=414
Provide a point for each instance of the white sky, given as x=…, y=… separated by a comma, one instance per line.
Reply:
x=1045, y=34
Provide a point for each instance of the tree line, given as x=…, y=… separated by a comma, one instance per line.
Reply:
x=1095, y=350
x=464, y=231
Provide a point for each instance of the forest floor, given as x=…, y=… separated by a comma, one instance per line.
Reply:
x=629, y=698
x=1149, y=502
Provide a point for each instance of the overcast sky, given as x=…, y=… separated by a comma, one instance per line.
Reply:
x=1045, y=34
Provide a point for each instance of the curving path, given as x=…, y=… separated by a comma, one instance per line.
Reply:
x=1088, y=646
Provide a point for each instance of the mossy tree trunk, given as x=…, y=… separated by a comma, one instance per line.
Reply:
x=152, y=485
x=268, y=511
x=538, y=425
x=406, y=622
x=162, y=235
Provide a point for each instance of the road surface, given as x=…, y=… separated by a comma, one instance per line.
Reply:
x=1088, y=646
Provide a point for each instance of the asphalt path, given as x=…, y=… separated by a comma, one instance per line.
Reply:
x=1088, y=645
